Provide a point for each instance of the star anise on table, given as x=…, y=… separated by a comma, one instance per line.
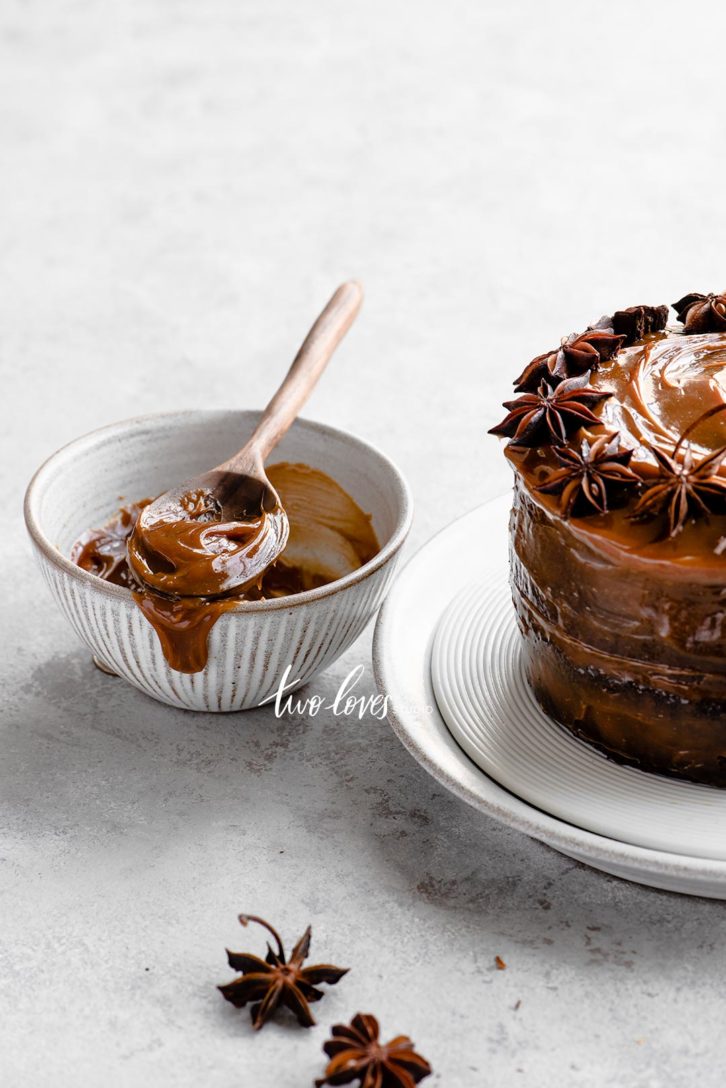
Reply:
x=575, y=355
x=356, y=1053
x=635, y=322
x=551, y=413
x=702, y=313
x=591, y=477
x=684, y=487
x=277, y=980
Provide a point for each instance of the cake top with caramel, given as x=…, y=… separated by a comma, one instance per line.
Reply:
x=622, y=428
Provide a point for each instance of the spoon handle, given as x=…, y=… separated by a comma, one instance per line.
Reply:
x=307, y=366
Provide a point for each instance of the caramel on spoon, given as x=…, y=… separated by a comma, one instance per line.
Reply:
x=217, y=533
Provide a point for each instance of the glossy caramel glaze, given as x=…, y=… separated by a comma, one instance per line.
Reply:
x=182, y=547
x=624, y=628
x=330, y=536
x=660, y=386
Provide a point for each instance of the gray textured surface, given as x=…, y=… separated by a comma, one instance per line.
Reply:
x=181, y=186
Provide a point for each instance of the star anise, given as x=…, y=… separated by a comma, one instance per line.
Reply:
x=550, y=414
x=356, y=1053
x=575, y=355
x=591, y=477
x=276, y=980
x=702, y=313
x=684, y=487
x=635, y=322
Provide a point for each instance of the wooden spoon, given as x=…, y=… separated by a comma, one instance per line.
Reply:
x=217, y=533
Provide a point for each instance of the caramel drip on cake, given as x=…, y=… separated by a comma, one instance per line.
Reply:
x=630, y=655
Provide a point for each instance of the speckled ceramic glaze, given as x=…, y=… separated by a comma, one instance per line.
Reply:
x=250, y=647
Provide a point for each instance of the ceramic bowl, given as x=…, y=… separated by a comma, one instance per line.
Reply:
x=251, y=646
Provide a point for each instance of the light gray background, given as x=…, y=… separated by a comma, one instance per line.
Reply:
x=182, y=185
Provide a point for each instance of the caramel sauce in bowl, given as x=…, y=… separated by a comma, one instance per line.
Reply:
x=297, y=629
x=330, y=537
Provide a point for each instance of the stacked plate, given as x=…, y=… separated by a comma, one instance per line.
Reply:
x=446, y=654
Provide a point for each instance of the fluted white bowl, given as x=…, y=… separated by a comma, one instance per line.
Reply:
x=251, y=646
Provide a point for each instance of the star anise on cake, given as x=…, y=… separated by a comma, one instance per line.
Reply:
x=592, y=477
x=702, y=313
x=356, y=1053
x=549, y=415
x=635, y=322
x=575, y=355
x=685, y=487
x=277, y=980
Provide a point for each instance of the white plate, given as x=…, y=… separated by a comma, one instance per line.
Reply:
x=485, y=700
x=471, y=549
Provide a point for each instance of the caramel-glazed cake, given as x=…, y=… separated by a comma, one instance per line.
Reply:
x=618, y=535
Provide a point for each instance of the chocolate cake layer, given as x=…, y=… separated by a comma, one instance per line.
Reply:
x=629, y=655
